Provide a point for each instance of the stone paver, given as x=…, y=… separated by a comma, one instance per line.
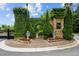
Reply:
x=40, y=43
x=36, y=43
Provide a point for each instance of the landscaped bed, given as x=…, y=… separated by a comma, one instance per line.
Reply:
x=60, y=29
x=37, y=43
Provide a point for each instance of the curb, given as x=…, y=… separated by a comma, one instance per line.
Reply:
x=13, y=49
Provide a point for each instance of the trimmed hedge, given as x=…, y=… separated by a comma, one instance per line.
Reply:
x=21, y=21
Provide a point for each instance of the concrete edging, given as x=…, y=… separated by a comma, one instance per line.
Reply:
x=13, y=49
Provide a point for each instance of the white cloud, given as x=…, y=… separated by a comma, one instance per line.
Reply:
x=39, y=7
x=24, y=6
x=13, y=18
x=30, y=7
x=7, y=15
x=7, y=9
x=35, y=14
x=34, y=8
x=63, y=4
x=2, y=6
x=38, y=4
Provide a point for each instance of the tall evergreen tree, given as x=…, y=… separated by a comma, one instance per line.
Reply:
x=28, y=23
x=48, y=29
x=68, y=24
x=70, y=5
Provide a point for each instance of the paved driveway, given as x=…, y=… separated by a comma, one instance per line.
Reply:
x=66, y=52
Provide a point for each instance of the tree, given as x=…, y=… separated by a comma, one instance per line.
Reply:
x=76, y=20
x=69, y=4
x=0, y=28
x=76, y=25
x=44, y=14
x=5, y=27
x=68, y=24
x=48, y=29
x=12, y=27
x=77, y=10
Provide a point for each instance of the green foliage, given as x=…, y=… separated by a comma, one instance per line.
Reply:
x=57, y=13
x=48, y=29
x=77, y=10
x=23, y=23
x=54, y=13
x=5, y=27
x=42, y=26
x=44, y=14
x=20, y=21
x=0, y=27
x=75, y=16
x=76, y=25
x=11, y=27
x=68, y=24
x=20, y=11
x=76, y=20
x=37, y=24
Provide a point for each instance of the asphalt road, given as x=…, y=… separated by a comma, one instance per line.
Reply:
x=66, y=52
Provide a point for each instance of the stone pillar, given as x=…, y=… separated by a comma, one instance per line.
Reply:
x=54, y=23
x=54, y=27
x=62, y=23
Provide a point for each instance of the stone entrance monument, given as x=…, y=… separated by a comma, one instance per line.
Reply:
x=58, y=25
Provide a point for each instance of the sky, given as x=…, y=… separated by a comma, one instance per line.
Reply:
x=35, y=9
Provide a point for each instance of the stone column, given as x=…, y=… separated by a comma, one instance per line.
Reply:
x=54, y=27
x=62, y=23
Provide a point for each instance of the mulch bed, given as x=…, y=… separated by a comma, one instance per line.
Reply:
x=36, y=43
